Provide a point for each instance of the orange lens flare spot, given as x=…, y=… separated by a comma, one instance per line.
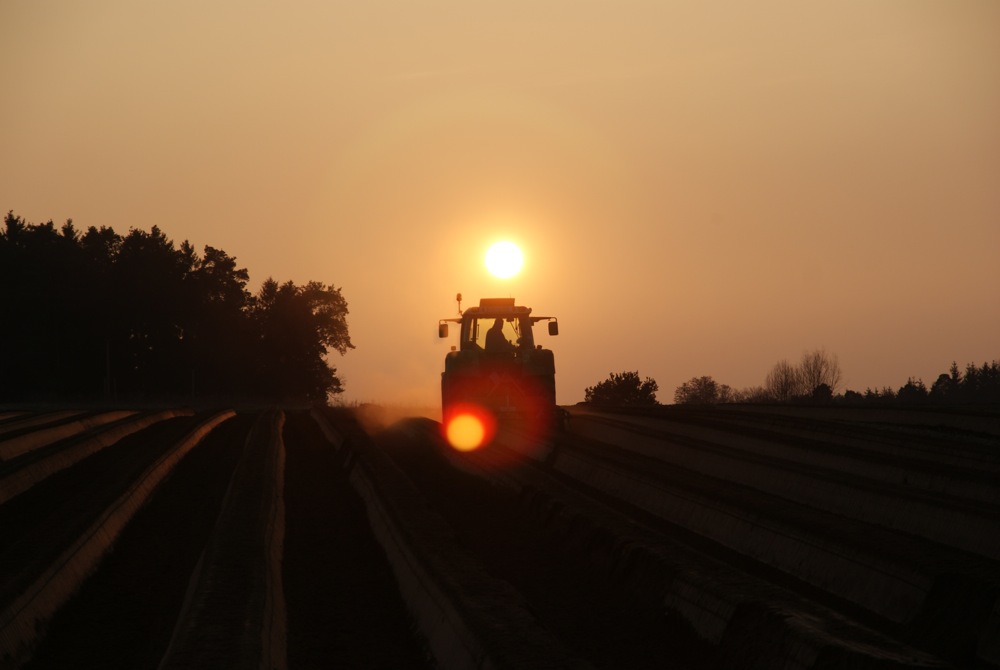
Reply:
x=469, y=428
x=465, y=432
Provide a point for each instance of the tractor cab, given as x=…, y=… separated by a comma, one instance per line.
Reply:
x=497, y=364
x=497, y=325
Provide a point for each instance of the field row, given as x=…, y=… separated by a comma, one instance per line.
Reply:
x=723, y=538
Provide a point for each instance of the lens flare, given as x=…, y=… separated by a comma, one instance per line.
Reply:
x=465, y=432
x=469, y=427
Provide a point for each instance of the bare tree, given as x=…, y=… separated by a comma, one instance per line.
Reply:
x=751, y=394
x=702, y=391
x=784, y=381
x=818, y=368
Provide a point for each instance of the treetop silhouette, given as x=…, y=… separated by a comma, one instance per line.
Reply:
x=98, y=314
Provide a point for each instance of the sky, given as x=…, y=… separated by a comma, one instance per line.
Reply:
x=698, y=187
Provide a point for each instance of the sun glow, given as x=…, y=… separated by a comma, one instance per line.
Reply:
x=504, y=260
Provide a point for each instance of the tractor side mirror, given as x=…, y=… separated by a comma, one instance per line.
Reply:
x=553, y=327
x=442, y=330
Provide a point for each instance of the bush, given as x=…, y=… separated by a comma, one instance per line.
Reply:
x=623, y=388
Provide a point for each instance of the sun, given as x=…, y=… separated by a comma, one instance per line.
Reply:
x=504, y=260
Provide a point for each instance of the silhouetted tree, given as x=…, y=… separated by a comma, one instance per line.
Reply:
x=885, y=396
x=151, y=309
x=751, y=394
x=43, y=302
x=818, y=368
x=218, y=336
x=136, y=316
x=853, y=397
x=822, y=394
x=943, y=390
x=914, y=391
x=297, y=325
x=623, y=388
x=981, y=385
x=784, y=382
x=702, y=391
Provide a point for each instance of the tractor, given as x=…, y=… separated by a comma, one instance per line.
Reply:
x=498, y=368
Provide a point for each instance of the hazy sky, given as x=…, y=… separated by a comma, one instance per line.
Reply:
x=699, y=188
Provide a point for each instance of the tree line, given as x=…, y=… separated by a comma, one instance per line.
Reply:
x=978, y=385
x=95, y=314
x=815, y=379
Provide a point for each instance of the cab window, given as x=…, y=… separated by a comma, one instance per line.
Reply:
x=478, y=329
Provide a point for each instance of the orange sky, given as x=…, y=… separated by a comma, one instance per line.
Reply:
x=699, y=188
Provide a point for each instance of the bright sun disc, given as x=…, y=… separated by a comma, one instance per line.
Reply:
x=504, y=260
